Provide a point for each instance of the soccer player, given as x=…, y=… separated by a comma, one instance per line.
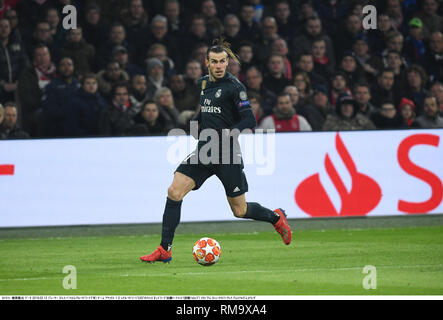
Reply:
x=223, y=105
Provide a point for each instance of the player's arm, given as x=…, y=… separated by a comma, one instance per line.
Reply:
x=247, y=118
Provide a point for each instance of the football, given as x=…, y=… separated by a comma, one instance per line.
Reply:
x=206, y=251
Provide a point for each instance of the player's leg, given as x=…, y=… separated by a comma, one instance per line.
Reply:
x=253, y=210
x=236, y=185
x=187, y=177
x=179, y=187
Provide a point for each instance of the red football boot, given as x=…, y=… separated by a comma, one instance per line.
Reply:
x=282, y=226
x=159, y=254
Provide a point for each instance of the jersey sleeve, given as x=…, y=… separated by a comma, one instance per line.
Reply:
x=244, y=108
x=240, y=96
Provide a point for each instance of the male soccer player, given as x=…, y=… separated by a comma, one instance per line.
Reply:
x=223, y=105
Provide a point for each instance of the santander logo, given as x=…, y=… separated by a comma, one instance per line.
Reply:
x=6, y=169
x=363, y=196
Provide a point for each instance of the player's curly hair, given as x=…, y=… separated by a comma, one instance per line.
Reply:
x=220, y=45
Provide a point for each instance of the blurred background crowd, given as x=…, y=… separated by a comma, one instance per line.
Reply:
x=130, y=68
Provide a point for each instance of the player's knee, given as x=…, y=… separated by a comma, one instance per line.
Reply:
x=175, y=193
x=239, y=211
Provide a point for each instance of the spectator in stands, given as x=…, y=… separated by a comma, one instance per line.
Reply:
x=138, y=90
x=339, y=87
x=199, y=53
x=13, y=60
x=295, y=97
x=274, y=78
x=268, y=33
x=9, y=128
x=117, y=119
x=285, y=20
x=184, y=95
x=155, y=76
x=388, y=117
x=197, y=33
x=368, y=62
x=362, y=95
x=121, y=55
x=414, y=46
x=407, y=111
x=395, y=62
x=150, y=121
x=85, y=107
x=165, y=101
x=172, y=11
x=193, y=72
x=254, y=83
x=2, y=113
x=16, y=32
x=322, y=64
x=320, y=108
x=428, y=14
x=116, y=38
x=331, y=13
x=29, y=14
x=214, y=26
x=58, y=93
x=383, y=89
x=249, y=28
x=303, y=83
x=255, y=101
x=350, y=67
x=415, y=86
x=437, y=91
x=81, y=52
x=31, y=85
x=94, y=29
x=135, y=21
x=284, y=117
x=313, y=30
x=5, y=6
x=159, y=33
x=42, y=34
x=306, y=11
x=430, y=117
x=109, y=77
x=346, y=117
x=433, y=60
x=246, y=58
x=231, y=27
x=280, y=47
x=52, y=16
x=395, y=13
x=376, y=37
x=345, y=38
x=305, y=62
x=158, y=50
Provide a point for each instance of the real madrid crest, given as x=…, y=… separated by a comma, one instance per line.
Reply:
x=218, y=93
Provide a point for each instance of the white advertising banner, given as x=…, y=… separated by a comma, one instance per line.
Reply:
x=124, y=180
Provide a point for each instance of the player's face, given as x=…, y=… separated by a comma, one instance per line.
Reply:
x=217, y=64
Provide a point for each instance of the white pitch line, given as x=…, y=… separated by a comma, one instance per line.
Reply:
x=236, y=272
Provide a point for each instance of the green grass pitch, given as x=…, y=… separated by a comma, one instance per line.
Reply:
x=326, y=257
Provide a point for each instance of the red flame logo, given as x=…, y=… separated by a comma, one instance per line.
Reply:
x=364, y=196
x=6, y=169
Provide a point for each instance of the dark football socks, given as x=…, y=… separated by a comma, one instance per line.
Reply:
x=256, y=212
x=171, y=219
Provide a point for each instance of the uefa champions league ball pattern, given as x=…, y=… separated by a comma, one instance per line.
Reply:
x=206, y=251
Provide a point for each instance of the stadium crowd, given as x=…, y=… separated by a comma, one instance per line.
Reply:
x=131, y=66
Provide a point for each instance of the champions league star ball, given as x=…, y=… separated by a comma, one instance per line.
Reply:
x=206, y=251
